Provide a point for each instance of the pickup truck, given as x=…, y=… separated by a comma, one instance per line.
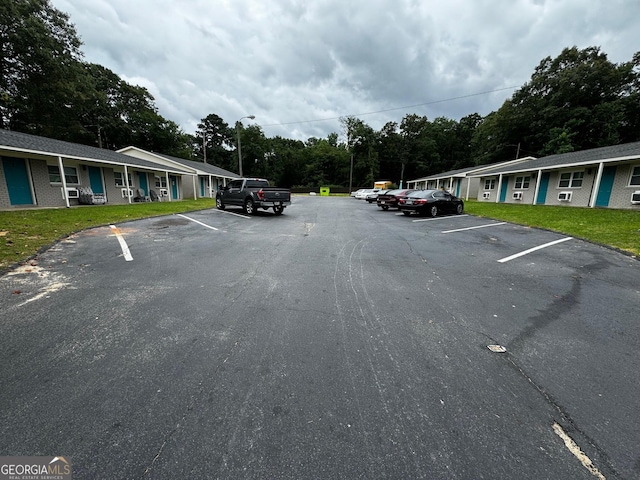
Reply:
x=252, y=194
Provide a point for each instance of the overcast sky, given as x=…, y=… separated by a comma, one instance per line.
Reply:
x=298, y=65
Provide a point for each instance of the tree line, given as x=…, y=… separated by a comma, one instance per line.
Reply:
x=575, y=101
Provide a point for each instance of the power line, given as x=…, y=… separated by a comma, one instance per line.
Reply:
x=391, y=109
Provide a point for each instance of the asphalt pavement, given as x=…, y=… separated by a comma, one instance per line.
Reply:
x=334, y=341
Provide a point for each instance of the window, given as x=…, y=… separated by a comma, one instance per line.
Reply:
x=70, y=174
x=259, y=183
x=635, y=177
x=571, y=179
x=522, y=182
x=490, y=184
x=161, y=182
x=119, y=179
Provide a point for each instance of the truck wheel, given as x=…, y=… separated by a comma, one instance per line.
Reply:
x=219, y=204
x=278, y=210
x=248, y=207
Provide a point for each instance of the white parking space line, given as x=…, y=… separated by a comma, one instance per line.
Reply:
x=473, y=228
x=123, y=245
x=231, y=213
x=438, y=218
x=539, y=247
x=199, y=223
x=577, y=452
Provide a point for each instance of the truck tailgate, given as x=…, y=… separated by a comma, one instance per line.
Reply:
x=275, y=194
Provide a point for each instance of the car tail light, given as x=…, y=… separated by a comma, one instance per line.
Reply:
x=421, y=201
x=401, y=200
x=260, y=194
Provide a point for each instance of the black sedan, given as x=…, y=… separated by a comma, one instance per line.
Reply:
x=430, y=202
x=389, y=199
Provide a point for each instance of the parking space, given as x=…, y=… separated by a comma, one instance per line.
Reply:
x=501, y=233
x=377, y=312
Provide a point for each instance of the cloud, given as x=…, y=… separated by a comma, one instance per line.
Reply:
x=296, y=61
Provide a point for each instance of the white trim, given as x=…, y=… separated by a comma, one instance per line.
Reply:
x=633, y=167
x=596, y=186
x=49, y=155
x=63, y=178
x=537, y=189
x=572, y=178
x=127, y=185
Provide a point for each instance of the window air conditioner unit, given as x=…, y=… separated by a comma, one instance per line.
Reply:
x=72, y=193
x=564, y=196
x=635, y=198
x=127, y=192
x=517, y=195
x=486, y=195
x=164, y=192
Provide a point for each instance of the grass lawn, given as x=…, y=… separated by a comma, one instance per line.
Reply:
x=619, y=229
x=25, y=232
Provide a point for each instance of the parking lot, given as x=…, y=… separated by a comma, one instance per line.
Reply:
x=335, y=341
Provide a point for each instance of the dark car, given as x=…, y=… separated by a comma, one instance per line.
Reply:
x=430, y=202
x=389, y=199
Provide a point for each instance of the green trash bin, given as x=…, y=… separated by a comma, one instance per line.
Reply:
x=324, y=191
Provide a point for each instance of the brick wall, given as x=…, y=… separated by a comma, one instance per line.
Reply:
x=621, y=190
x=4, y=190
x=47, y=194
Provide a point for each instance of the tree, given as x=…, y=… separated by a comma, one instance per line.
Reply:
x=39, y=67
x=287, y=161
x=390, y=152
x=254, y=148
x=581, y=93
x=419, y=151
x=465, y=130
x=629, y=129
x=362, y=142
x=218, y=141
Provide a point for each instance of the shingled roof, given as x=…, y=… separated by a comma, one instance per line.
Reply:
x=26, y=144
x=594, y=156
x=205, y=167
x=467, y=172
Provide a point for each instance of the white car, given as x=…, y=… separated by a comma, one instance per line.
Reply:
x=362, y=193
x=373, y=196
x=354, y=193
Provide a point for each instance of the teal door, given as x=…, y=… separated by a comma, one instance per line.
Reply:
x=503, y=189
x=142, y=181
x=606, y=185
x=174, y=187
x=458, y=188
x=95, y=180
x=202, y=185
x=17, y=178
x=544, y=185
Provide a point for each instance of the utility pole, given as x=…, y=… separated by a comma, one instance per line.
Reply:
x=204, y=146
